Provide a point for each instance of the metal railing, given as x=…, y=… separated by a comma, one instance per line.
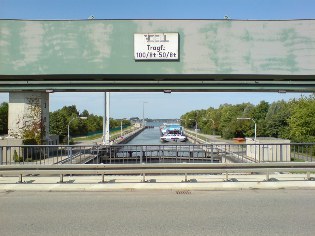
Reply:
x=177, y=153
x=44, y=154
x=149, y=169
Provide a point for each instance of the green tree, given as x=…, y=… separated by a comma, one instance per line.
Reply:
x=4, y=107
x=293, y=120
x=188, y=120
x=259, y=114
x=58, y=124
x=69, y=111
x=245, y=128
x=85, y=113
x=207, y=121
x=60, y=119
x=94, y=123
x=78, y=127
x=230, y=127
x=302, y=119
x=276, y=120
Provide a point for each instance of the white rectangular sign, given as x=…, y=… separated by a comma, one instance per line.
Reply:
x=156, y=46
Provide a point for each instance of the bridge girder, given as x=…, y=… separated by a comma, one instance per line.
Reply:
x=213, y=55
x=159, y=83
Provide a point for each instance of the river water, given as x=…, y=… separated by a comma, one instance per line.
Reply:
x=159, y=153
x=151, y=136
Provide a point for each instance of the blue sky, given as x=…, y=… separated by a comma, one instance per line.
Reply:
x=159, y=105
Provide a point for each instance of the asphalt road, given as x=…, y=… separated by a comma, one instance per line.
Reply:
x=274, y=212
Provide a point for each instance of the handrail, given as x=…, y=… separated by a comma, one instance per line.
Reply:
x=209, y=144
x=209, y=152
x=160, y=168
x=164, y=165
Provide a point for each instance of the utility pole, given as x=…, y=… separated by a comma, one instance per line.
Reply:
x=106, y=119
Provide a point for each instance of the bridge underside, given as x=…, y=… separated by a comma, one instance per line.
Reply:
x=157, y=55
x=158, y=83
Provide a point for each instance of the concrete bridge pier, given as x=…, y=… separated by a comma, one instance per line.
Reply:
x=28, y=110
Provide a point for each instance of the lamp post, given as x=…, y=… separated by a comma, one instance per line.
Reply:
x=121, y=127
x=196, y=128
x=106, y=136
x=76, y=117
x=212, y=125
x=196, y=125
x=143, y=113
x=247, y=118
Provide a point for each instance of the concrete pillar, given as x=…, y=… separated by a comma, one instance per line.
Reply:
x=27, y=109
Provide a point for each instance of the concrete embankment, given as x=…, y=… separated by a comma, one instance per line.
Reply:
x=199, y=138
x=193, y=138
x=126, y=138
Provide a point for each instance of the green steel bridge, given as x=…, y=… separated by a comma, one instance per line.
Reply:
x=105, y=55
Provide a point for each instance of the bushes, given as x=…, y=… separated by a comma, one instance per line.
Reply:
x=16, y=157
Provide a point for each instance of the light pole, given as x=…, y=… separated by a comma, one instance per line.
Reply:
x=143, y=113
x=212, y=124
x=247, y=118
x=196, y=125
x=76, y=117
x=106, y=136
x=196, y=128
x=121, y=128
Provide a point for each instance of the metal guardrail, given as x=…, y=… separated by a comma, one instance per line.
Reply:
x=124, y=154
x=145, y=169
x=44, y=154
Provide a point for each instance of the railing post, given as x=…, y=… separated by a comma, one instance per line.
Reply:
x=308, y=175
x=70, y=154
x=191, y=152
x=267, y=175
x=20, y=178
x=98, y=156
x=61, y=178
x=159, y=154
x=141, y=155
x=212, y=156
x=1, y=158
x=255, y=151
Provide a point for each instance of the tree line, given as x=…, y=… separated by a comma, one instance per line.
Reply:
x=294, y=120
x=59, y=120
x=4, y=118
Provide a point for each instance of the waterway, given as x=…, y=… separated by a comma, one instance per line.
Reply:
x=162, y=153
x=151, y=136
